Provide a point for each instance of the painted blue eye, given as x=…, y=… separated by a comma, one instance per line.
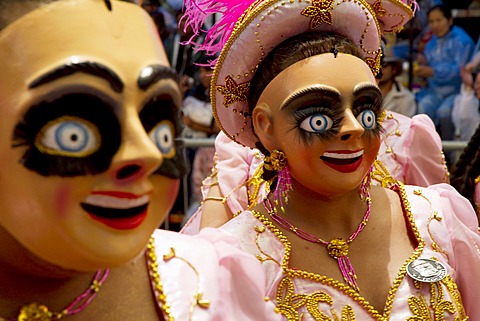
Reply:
x=317, y=123
x=163, y=137
x=68, y=136
x=367, y=119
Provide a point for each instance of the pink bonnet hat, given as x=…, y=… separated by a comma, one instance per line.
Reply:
x=247, y=32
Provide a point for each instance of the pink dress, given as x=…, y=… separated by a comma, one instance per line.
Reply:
x=435, y=213
x=208, y=278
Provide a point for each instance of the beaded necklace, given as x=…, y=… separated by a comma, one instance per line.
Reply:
x=336, y=248
x=40, y=312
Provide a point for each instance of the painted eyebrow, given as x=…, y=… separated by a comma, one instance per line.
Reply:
x=74, y=66
x=154, y=73
x=366, y=86
x=316, y=89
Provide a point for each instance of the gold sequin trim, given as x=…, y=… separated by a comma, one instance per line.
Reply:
x=157, y=283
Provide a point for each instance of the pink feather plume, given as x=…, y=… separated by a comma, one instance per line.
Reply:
x=198, y=11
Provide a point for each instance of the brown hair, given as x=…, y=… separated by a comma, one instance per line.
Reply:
x=293, y=50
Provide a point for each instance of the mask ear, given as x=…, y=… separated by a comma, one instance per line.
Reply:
x=263, y=125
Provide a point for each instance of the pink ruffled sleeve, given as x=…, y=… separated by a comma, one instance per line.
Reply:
x=464, y=239
x=425, y=164
x=236, y=164
x=241, y=279
x=412, y=150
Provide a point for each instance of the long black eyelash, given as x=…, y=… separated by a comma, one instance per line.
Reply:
x=377, y=110
x=45, y=164
x=328, y=135
x=158, y=109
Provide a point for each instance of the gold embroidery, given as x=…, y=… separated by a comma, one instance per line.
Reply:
x=455, y=295
x=395, y=131
x=254, y=184
x=233, y=92
x=152, y=264
x=289, y=310
x=289, y=303
x=433, y=216
x=259, y=230
x=209, y=182
x=374, y=63
x=438, y=306
x=381, y=117
x=198, y=296
x=381, y=174
x=378, y=9
x=319, y=12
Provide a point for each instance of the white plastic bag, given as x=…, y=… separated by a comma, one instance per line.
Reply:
x=465, y=114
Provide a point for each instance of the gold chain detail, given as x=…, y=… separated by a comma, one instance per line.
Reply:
x=197, y=299
x=433, y=216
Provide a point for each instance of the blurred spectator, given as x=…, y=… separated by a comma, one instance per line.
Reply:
x=416, y=32
x=465, y=114
x=473, y=66
x=197, y=115
x=396, y=97
x=449, y=48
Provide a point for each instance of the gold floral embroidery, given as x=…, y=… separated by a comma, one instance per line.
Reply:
x=379, y=11
x=455, y=295
x=319, y=12
x=288, y=303
x=374, y=63
x=423, y=310
x=233, y=92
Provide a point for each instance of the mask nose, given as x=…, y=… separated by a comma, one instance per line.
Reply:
x=138, y=156
x=351, y=127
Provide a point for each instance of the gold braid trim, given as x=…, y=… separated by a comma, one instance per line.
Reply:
x=381, y=174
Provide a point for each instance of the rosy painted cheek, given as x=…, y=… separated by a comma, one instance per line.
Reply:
x=63, y=201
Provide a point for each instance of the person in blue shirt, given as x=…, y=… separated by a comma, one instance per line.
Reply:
x=449, y=49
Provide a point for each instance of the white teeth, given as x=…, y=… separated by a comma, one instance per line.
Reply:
x=343, y=156
x=115, y=202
